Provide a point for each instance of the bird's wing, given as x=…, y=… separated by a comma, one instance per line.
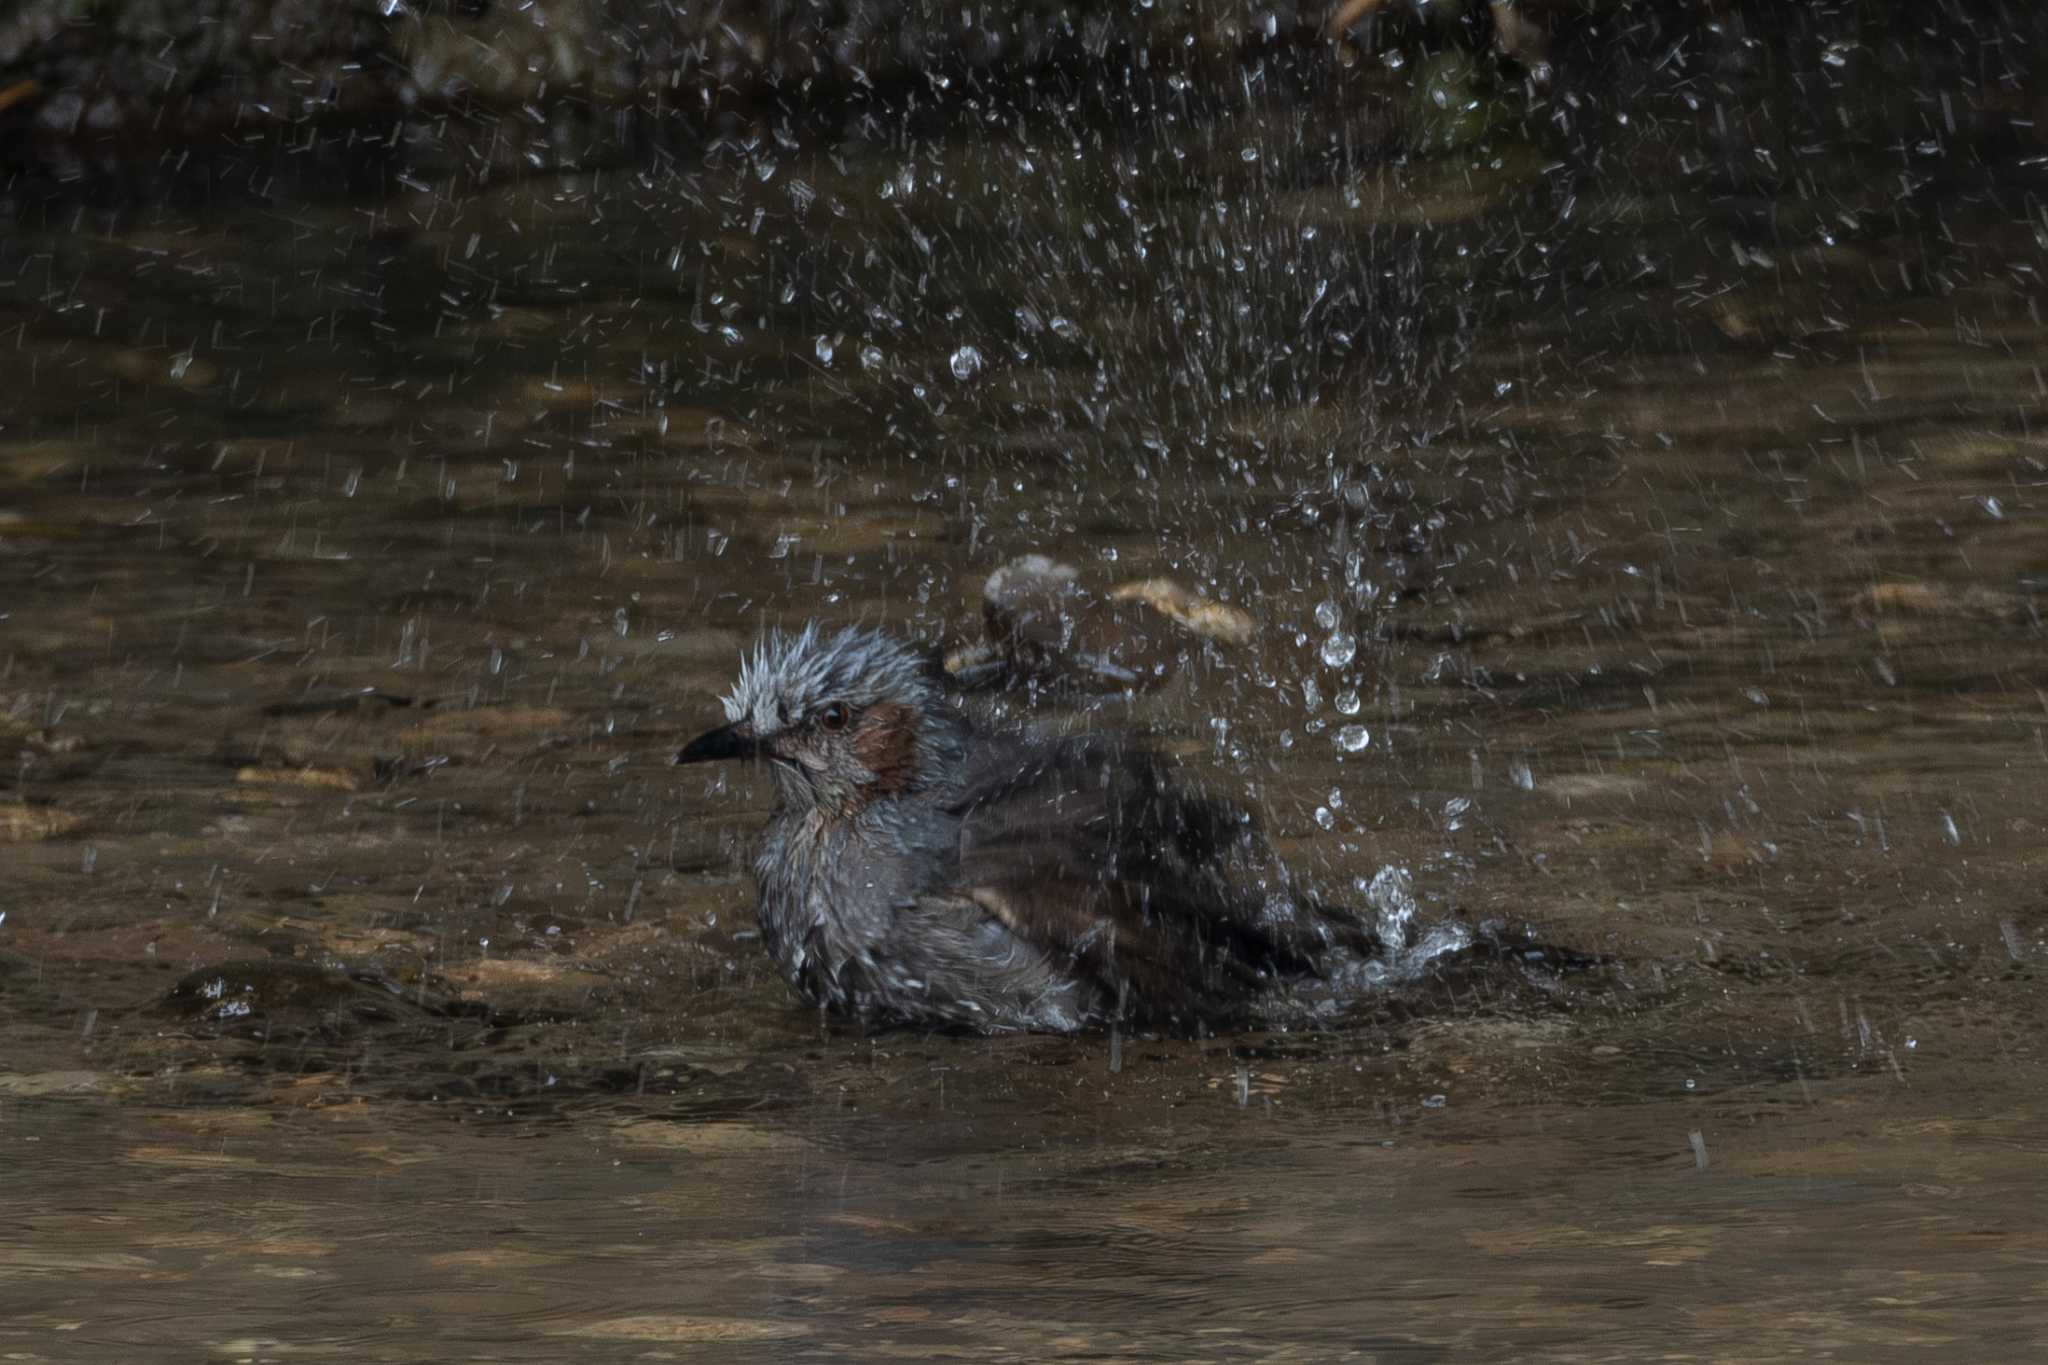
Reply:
x=1167, y=898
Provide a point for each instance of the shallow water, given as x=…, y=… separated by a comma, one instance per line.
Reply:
x=373, y=522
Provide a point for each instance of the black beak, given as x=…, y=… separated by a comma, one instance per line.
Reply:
x=727, y=741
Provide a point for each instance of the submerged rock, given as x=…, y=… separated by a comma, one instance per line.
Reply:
x=262, y=994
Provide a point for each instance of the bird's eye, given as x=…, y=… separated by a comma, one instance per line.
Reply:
x=833, y=718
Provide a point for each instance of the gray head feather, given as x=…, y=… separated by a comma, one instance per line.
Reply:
x=791, y=676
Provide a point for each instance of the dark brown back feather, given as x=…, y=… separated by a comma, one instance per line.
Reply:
x=1094, y=848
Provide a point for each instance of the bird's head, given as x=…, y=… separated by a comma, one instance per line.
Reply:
x=844, y=720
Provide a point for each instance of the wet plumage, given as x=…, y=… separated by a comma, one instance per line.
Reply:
x=923, y=867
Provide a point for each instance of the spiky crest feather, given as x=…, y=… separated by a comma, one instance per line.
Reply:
x=791, y=676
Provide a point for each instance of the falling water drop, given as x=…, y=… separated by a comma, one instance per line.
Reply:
x=1455, y=810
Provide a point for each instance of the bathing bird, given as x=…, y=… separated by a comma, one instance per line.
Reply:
x=928, y=866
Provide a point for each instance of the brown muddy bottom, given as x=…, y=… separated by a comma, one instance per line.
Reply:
x=1643, y=541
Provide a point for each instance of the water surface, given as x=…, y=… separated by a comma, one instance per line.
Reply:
x=374, y=519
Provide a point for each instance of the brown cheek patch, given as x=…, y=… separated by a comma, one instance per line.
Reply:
x=885, y=742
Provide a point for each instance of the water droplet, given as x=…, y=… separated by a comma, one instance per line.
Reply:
x=871, y=357
x=966, y=363
x=824, y=350
x=1324, y=818
x=1326, y=615
x=1347, y=702
x=1340, y=649
x=1352, y=738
